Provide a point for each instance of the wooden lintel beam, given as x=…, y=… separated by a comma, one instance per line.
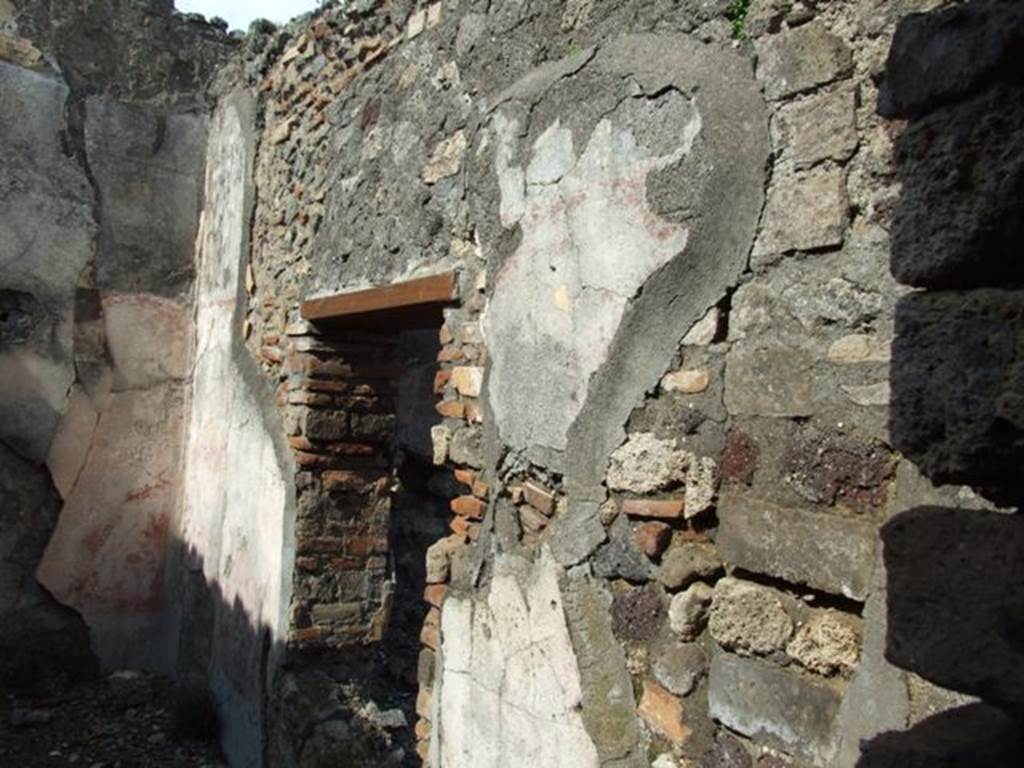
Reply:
x=436, y=289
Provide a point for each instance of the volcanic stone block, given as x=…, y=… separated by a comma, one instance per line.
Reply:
x=805, y=211
x=828, y=643
x=687, y=613
x=957, y=223
x=620, y=557
x=938, y=57
x=766, y=378
x=748, y=618
x=679, y=667
x=799, y=59
x=958, y=387
x=827, y=552
x=818, y=128
x=772, y=705
x=956, y=599
x=685, y=564
x=975, y=734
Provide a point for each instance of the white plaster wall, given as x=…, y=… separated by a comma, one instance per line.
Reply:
x=235, y=523
x=510, y=691
x=589, y=243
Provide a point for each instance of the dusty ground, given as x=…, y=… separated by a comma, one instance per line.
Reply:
x=126, y=720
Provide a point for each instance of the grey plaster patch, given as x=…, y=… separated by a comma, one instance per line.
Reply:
x=574, y=535
x=725, y=163
x=877, y=698
x=532, y=86
x=608, y=705
x=561, y=296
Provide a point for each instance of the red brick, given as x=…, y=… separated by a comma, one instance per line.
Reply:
x=445, y=335
x=305, y=397
x=465, y=476
x=461, y=526
x=474, y=413
x=429, y=636
x=347, y=449
x=308, y=564
x=532, y=520
x=366, y=545
x=325, y=385
x=422, y=729
x=300, y=443
x=663, y=712
x=652, y=537
x=325, y=545
x=308, y=635
x=348, y=480
x=539, y=497
x=441, y=379
x=451, y=409
x=450, y=353
x=327, y=369
x=480, y=489
x=468, y=506
x=667, y=509
x=348, y=563
x=298, y=363
x=431, y=631
x=434, y=594
x=318, y=460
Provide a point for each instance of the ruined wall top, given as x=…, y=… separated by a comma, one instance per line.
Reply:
x=132, y=50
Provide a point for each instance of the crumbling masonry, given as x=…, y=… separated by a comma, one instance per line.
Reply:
x=525, y=383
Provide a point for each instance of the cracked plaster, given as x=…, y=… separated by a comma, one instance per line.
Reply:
x=590, y=241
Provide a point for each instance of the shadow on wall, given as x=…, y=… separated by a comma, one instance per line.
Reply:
x=44, y=647
x=956, y=576
x=278, y=713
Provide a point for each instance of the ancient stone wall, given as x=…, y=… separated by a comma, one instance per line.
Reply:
x=734, y=303
x=666, y=389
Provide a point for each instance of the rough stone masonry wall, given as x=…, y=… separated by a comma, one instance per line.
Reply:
x=688, y=422
x=676, y=451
